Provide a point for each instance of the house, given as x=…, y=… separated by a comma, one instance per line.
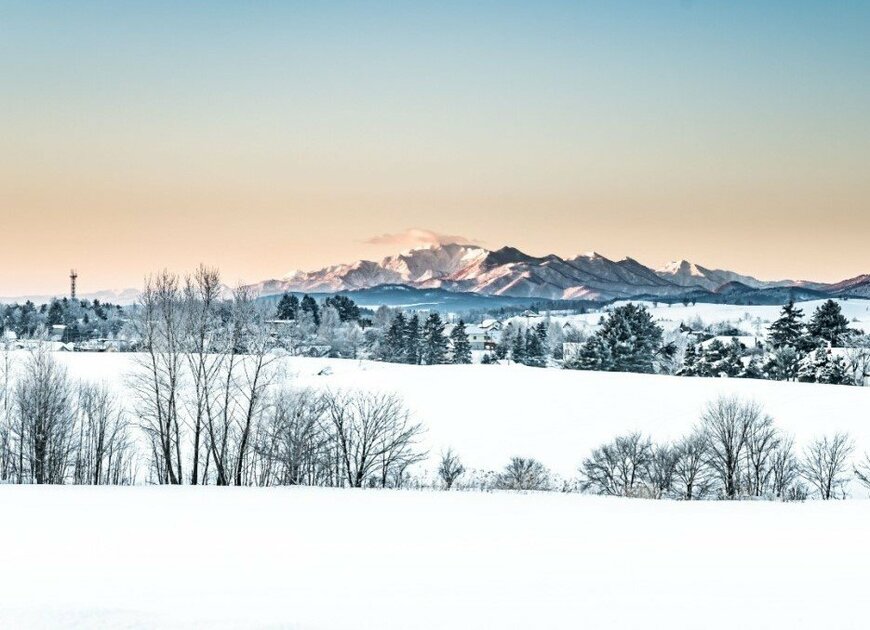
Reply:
x=491, y=325
x=478, y=337
x=57, y=333
x=493, y=329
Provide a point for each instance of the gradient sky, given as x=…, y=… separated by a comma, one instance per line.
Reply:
x=267, y=136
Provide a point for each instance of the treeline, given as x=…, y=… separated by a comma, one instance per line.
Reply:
x=735, y=452
x=408, y=340
x=82, y=319
x=823, y=350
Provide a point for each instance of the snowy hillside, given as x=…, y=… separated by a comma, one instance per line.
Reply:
x=490, y=413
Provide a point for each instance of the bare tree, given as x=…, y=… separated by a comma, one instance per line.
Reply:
x=46, y=419
x=825, y=465
x=662, y=470
x=691, y=472
x=450, y=469
x=858, y=359
x=157, y=383
x=294, y=445
x=524, y=473
x=761, y=444
x=374, y=436
x=862, y=471
x=728, y=423
x=105, y=453
x=204, y=348
x=786, y=470
x=619, y=468
x=256, y=375
x=7, y=457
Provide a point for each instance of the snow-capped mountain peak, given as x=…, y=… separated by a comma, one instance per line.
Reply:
x=511, y=272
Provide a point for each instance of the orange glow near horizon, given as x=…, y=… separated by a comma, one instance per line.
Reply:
x=286, y=137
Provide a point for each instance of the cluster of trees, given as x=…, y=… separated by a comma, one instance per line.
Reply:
x=336, y=325
x=735, y=452
x=823, y=350
x=290, y=307
x=719, y=359
x=55, y=430
x=628, y=340
x=798, y=351
x=83, y=319
x=525, y=345
x=208, y=398
x=405, y=340
x=349, y=439
x=802, y=351
x=520, y=473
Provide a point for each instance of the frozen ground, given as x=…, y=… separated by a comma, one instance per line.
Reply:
x=305, y=558
x=490, y=413
x=149, y=557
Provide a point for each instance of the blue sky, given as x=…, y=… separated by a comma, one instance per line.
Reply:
x=625, y=127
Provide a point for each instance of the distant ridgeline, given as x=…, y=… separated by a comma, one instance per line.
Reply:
x=458, y=277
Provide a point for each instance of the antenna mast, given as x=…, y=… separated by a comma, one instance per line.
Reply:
x=73, y=275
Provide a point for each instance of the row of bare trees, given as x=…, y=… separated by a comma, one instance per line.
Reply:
x=735, y=452
x=201, y=379
x=54, y=430
x=208, y=396
x=343, y=438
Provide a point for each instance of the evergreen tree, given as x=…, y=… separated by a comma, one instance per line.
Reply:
x=712, y=359
x=733, y=362
x=835, y=372
x=595, y=354
x=828, y=324
x=393, y=348
x=518, y=347
x=541, y=330
x=788, y=330
x=412, y=352
x=460, y=343
x=434, y=341
x=631, y=339
x=690, y=362
x=55, y=314
x=505, y=343
x=309, y=305
x=347, y=309
x=534, y=354
x=821, y=366
x=752, y=369
x=783, y=364
x=288, y=307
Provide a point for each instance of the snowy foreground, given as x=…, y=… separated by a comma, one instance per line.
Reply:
x=149, y=557
x=314, y=558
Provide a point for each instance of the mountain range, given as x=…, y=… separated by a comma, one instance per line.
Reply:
x=509, y=272
x=470, y=276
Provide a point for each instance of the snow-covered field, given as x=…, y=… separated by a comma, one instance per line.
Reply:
x=206, y=557
x=489, y=413
x=149, y=557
